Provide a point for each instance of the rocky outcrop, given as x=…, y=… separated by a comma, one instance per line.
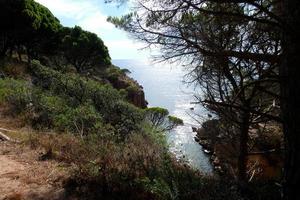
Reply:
x=138, y=98
x=261, y=161
x=135, y=92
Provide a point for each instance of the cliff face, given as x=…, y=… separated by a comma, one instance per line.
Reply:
x=135, y=92
x=138, y=98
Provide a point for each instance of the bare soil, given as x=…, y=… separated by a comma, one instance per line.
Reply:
x=24, y=177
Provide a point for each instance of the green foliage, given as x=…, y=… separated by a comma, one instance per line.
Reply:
x=113, y=73
x=45, y=107
x=132, y=89
x=156, y=115
x=125, y=117
x=125, y=71
x=25, y=23
x=175, y=121
x=82, y=120
x=16, y=92
x=122, y=22
x=105, y=105
x=158, y=187
x=74, y=87
x=71, y=103
x=140, y=168
x=84, y=50
x=160, y=120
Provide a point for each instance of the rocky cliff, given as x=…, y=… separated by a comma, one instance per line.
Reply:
x=134, y=91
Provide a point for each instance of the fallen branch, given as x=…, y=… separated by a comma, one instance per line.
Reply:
x=4, y=130
x=262, y=152
x=4, y=137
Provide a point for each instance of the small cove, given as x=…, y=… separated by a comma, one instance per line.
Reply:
x=163, y=87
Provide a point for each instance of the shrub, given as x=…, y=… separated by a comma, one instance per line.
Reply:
x=17, y=93
x=46, y=106
x=82, y=120
x=140, y=168
x=125, y=117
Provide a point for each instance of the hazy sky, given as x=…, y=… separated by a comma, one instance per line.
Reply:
x=91, y=15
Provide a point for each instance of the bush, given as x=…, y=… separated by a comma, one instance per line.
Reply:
x=125, y=117
x=141, y=168
x=82, y=120
x=46, y=107
x=17, y=93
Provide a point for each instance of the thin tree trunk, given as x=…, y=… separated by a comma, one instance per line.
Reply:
x=242, y=160
x=290, y=104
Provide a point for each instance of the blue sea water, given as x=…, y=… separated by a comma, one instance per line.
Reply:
x=163, y=86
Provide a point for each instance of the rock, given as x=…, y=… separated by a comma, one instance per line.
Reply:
x=136, y=96
x=194, y=129
x=216, y=161
x=207, y=151
x=205, y=144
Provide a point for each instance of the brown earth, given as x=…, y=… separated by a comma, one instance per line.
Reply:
x=24, y=177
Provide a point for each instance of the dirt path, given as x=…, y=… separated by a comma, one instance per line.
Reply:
x=23, y=177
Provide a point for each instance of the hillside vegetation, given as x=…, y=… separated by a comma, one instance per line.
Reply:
x=83, y=111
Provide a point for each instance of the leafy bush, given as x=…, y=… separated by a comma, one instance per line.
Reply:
x=46, y=107
x=140, y=168
x=74, y=87
x=82, y=120
x=125, y=117
x=15, y=92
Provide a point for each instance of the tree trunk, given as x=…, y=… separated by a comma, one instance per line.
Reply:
x=290, y=90
x=242, y=160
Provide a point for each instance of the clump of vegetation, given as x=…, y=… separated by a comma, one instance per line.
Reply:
x=84, y=50
x=113, y=73
x=16, y=93
x=31, y=28
x=139, y=167
x=160, y=119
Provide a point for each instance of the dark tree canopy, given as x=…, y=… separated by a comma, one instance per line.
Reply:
x=26, y=24
x=30, y=28
x=83, y=49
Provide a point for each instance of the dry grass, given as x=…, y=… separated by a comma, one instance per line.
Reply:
x=16, y=69
x=22, y=175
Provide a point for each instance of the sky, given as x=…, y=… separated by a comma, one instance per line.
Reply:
x=91, y=15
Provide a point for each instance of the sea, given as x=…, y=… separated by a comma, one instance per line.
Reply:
x=164, y=86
